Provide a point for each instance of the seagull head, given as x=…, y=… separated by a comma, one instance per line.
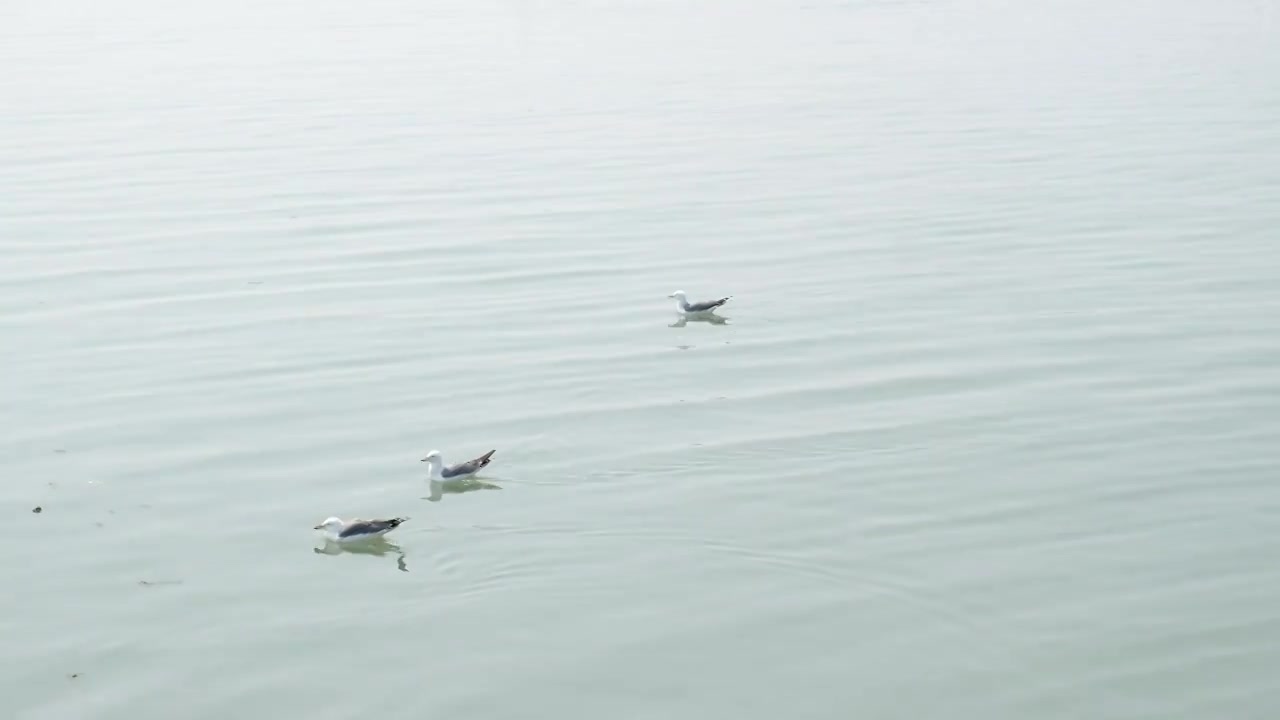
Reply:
x=332, y=525
x=679, y=295
x=432, y=457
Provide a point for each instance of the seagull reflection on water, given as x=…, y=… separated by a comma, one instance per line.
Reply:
x=440, y=488
x=711, y=319
x=377, y=547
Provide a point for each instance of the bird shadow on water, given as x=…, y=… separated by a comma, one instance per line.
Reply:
x=709, y=319
x=440, y=488
x=376, y=548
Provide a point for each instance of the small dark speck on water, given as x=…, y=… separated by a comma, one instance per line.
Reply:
x=684, y=347
x=73, y=676
x=59, y=451
x=154, y=583
x=37, y=509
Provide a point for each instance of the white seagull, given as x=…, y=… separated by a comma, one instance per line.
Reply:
x=343, y=531
x=700, y=308
x=439, y=471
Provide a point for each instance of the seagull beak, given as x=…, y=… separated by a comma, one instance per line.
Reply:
x=318, y=527
x=672, y=295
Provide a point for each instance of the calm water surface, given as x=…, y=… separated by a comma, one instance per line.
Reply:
x=990, y=433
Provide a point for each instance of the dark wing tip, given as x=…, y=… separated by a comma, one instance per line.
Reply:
x=389, y=525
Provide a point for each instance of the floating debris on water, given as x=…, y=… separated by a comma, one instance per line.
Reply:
x=37, y=509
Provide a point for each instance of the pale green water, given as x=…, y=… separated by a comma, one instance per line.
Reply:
x=991, y=433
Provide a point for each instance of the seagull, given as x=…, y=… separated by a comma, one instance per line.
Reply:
x=342, y=531
x=682, y=302
x=439, y=471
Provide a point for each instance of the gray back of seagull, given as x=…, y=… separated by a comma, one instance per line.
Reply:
x=705, y=306
x=369, y=527
x=467, y=468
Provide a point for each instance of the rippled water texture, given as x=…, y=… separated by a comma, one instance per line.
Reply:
x=990, y=432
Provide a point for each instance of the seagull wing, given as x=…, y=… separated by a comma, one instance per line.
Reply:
x=370, y=527
x=468, y=467
x=705, y=306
